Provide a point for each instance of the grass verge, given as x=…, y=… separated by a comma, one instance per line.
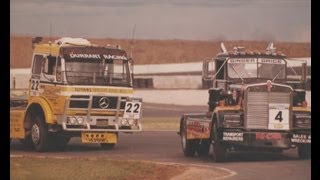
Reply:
x=163, y=123
x=50, y=168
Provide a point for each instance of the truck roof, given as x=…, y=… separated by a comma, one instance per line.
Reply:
x=251, y=54
x=55, y=47
x=241, y=52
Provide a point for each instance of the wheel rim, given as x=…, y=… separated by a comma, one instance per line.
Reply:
x=35, y=134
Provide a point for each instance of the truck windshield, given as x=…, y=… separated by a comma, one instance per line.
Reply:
x=262, y=68
x=89, y=68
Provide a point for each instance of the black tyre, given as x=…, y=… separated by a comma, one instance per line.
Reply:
x=219, y=150
x=204, y=148
x=39, y=134
x=107, y=146
x=189, y=147
x=304, y=151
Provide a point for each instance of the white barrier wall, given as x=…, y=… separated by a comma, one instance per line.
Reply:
x=19, y=78
x=22, y=81
x=192, y=67
x=177, y=82
x=167, y=68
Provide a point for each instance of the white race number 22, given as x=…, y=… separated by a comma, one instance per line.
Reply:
x=132, y=110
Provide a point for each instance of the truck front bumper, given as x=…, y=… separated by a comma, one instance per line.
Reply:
x=88, y=119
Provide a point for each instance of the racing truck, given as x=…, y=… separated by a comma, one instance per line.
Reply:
x=254, y=105
x=76, y=89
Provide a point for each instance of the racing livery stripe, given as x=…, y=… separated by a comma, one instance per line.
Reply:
x=84, y=90
x=98, y=90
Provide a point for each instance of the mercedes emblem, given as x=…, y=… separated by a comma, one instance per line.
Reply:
x=104, y=102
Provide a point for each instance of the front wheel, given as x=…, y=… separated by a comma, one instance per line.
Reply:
x=39, y=134
x=188, y=146
x=219, y=150
x=304, y=151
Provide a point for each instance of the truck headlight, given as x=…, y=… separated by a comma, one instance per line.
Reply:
x=80, y=120
x=302, y=120
x=72, y=120
x=131, y=122
x=232, y=120
x=124, y=122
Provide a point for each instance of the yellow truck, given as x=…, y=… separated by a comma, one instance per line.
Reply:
x=76, y=89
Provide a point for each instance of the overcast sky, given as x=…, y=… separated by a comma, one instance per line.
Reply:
x=276, y=20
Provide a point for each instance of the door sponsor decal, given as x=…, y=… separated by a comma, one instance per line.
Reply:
x=232, y=136
x=301, y=138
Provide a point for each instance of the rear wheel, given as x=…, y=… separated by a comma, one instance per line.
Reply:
x=304, y=151
x=188, y=146
x=219, y=150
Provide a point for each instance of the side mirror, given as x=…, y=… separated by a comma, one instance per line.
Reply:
x=36, y=40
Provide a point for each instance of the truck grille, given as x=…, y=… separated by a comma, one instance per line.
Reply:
x=257, y=114
x=257, y=110
x=112, y=102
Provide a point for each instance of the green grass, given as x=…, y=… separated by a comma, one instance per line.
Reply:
x=49, y=168
x=163, y=123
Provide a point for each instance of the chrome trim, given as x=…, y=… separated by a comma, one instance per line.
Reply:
x=257, y=105
x=261, y=84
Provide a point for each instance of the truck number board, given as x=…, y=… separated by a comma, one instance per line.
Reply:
x=132, y=110
x=278, y=116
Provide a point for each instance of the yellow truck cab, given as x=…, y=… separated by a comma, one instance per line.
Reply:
x=76, y=89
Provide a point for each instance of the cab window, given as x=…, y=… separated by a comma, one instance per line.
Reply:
x=37, y=64
x=49, y=66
